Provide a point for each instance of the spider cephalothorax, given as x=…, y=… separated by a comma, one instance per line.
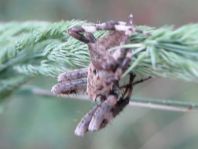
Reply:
x=101, y=78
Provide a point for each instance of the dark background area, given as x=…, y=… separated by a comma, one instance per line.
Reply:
x=30, y=121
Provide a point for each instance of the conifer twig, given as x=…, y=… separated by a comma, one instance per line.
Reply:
x=166, y=105
x=31, y=49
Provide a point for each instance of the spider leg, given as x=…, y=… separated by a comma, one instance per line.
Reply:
x=123, y=58
x=141, y=80
x=125, y=98
x=84, y=33
x=111, y=107
x=78, y=33
x=83, y=125
x=73, y=87
x=118, y=60
x=103, y=114
x=128, y=87
x=73, y=75
x=137, y=82
x=126, y=27
x=109, y=25
x=130, y=19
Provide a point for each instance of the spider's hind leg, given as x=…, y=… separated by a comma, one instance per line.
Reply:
x=83, y=125
x=111, y=107
x=103, y=115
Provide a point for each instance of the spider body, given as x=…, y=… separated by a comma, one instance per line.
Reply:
x=106, y=66
x=101, y=79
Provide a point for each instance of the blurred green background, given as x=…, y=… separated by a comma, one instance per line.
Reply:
x=30, y=121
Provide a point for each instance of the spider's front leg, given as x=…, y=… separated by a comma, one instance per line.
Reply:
x=72, y=87
x=83, y=34
x=71, y=82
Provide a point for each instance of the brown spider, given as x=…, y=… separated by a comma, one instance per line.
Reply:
x=101, y=79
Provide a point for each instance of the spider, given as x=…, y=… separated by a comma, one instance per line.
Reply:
x=101, y=78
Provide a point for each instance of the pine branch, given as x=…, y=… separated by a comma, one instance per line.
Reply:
x=32, y=49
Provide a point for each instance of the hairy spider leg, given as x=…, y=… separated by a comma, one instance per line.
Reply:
x=126, y=27
x=124, y=100
x=141, y=80
x=111, y=25
x=123, y=61
x=103, y=113
x=77, y=31
x=137, y=82
x=100, y=115
x=122, y=65
x=123, y=55
x=130, y=19
x=84, y=33
x=83, y=125
x=71, y=82
x=72, y=75
x=73, y=87
x=111, y=107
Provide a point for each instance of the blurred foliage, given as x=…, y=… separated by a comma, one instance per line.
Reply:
x=28, y=122
x=33, y=49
